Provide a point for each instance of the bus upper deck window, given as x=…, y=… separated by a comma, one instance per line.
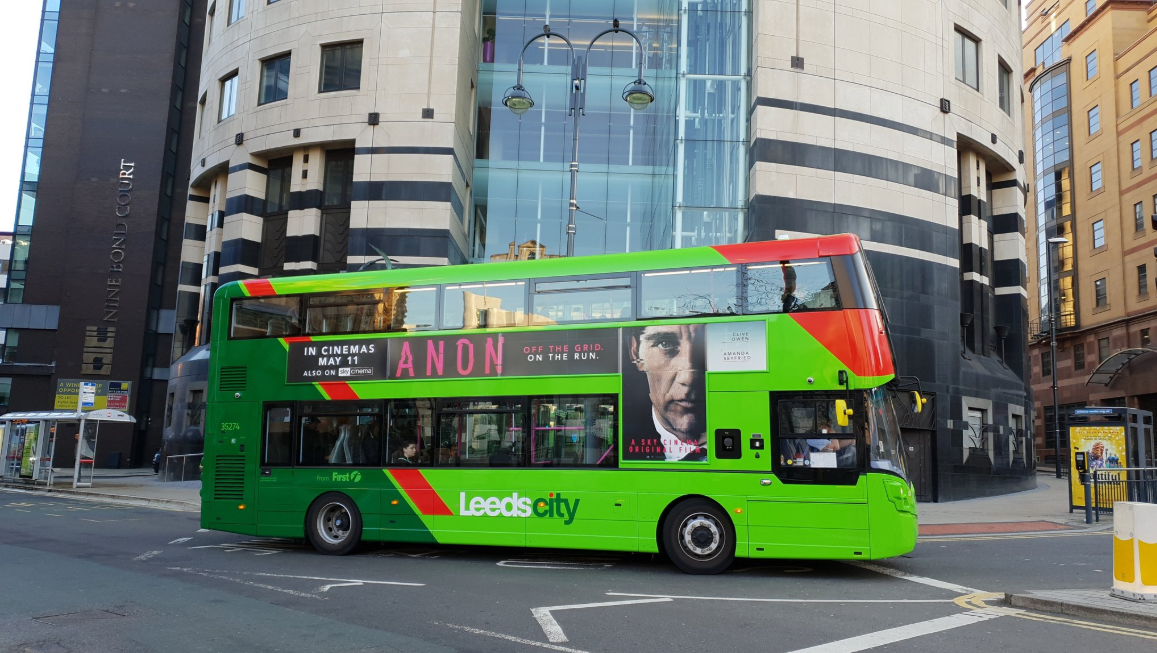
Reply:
x=484, y=305
x=699, y=291
x=788, y=287
x=265, y=317
x=581, y=300
x=414, y=309
x=356, y=312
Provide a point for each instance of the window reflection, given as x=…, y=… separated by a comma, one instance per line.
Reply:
x=484, y=305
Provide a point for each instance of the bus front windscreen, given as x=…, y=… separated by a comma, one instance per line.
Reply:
x=886, y=451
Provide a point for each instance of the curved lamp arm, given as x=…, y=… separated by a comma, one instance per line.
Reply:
x=546, y=33
x=616, y=29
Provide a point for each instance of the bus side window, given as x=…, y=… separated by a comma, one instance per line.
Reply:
x=581, y=300
x=698, y=291
x=411, y=433
x=788, y=287
x=487, y=305
x=265, y=317
x=340, y=433
x=278, y=437
x=811, y=439
x=573, y=432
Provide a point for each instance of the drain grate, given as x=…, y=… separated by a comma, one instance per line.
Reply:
x=76, y=617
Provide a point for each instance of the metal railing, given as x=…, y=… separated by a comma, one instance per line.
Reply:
x=1124, y=484
x=182, y=467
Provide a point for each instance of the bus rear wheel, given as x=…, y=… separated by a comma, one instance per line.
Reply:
x=333, y=524
x=699, y=537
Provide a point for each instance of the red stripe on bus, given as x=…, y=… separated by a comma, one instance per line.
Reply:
x=259, y=287
x=855, y=336
x=298, y=339
x=788, y=250
x=425, y=499
x=338, y=390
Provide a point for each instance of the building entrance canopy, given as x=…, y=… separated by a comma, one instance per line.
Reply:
x=1107, y=371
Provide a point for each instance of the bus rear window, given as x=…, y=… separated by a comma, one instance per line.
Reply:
x=790, y=287
x=484, y=305
x=581, y=300
x=265, y=317
x=700, y=291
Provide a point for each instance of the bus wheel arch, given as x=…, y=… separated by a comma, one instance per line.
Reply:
x=333, y=524
x=697, y=534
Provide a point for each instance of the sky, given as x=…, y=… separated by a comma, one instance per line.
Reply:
x=18, y=33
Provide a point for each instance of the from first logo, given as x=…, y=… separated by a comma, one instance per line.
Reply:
x=347, y=477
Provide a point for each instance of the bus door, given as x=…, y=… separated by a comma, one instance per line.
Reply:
x=280, y=514
x=480, y=448
x=813, y=504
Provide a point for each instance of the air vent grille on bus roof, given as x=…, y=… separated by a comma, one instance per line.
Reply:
x=229, y=478
x=233, y=379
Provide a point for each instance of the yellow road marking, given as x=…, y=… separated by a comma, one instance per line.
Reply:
x=983, y=538
x=978, y=600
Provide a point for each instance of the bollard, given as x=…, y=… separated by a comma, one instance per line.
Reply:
x=1088, y=497
x=1135, y=551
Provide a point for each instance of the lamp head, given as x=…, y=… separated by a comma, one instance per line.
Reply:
x=517, y=99
x=638, y=94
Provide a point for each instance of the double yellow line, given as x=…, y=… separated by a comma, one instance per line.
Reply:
x=978, y=600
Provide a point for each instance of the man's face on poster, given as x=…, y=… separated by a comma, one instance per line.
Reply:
x=672, y=357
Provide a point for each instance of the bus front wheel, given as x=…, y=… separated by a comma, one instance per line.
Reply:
x=699, y=537
x=333, y=524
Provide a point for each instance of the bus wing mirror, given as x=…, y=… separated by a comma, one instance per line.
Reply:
x=842, y=412
x=918, y=402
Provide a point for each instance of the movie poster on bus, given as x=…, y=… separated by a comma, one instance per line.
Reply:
x=327, y=361
x=521, y=353
x=1104, y=448
x=664, y=393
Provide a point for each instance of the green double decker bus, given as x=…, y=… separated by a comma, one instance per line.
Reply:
x=706, y=403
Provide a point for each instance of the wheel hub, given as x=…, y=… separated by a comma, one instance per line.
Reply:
x=701, y=536
x=333, y=523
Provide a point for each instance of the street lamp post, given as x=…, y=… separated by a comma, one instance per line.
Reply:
x=1055, y=240
x=637, y=94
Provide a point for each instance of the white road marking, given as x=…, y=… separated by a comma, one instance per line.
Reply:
x=553, y=564
x=923, y=580
x=146, y=555
x=247, y=582
x=339, y=582
x=512, y=638
x=901, y=633
x=180, y=540
x=756, y=600
x=241, y=546
x=202, y=530
x=554, y=631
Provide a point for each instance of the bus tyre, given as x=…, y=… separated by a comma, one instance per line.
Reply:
x=699, y=537
x=333, y=524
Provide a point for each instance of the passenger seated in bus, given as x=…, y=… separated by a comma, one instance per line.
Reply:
x=504, y=456
x=408, y=455
x=368, y=449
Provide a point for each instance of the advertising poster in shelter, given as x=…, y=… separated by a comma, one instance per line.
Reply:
x=1104, y=448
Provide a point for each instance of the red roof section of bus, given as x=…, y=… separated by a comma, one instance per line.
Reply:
x=855, y=336
x=415, y=485
x=787, y=250
x=259, y=287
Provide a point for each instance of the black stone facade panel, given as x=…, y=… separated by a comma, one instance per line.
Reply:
x=432, y=243
x=819, y=157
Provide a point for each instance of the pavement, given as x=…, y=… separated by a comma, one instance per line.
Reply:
x=1041, y=512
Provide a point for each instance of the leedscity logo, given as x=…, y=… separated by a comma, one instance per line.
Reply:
x=553, y=506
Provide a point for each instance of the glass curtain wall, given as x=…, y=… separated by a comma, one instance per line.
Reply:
x=684, y=155
x=1053, y=185
x=33, y=147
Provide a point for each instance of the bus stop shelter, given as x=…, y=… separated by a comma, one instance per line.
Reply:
x=28, y=443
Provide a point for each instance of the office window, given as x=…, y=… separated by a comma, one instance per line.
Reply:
x=1102, y=349
x=1091, y=65
x=1145, y=340
x=236, y=10
x=1098, y=234
x=274, y=80
x=228, y=97
x=209, y=23
x=1134, y=94
x=1090, y=6
x=1049, y=52
x=1153, y=81
x=1153, y=144
x=1046, y=363
x=1079, y=356
x=1139, y=216
x=1101, y=291
x=1095, y=176
x=1004, y=84
x=1136, y=149
x=1094, y=120
x=201, y=113
x=966, y=57
x=1143, y=279
x=341, y=67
